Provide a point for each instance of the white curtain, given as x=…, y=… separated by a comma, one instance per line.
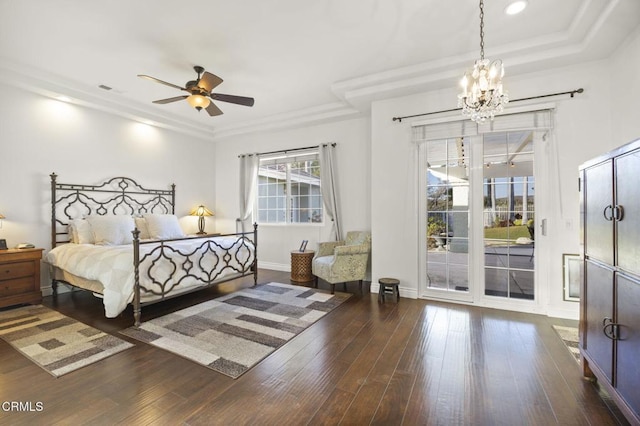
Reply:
x=328, y=187
x=248, y=183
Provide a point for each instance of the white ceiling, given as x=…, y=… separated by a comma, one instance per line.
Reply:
x=302, y=61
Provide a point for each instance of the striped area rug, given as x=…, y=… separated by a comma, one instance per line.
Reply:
x=55, y=342
x=234, y=332
x=569, y=336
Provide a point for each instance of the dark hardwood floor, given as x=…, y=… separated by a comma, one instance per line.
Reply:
x=414, y=362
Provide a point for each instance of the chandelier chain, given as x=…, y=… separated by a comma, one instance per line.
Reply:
x=481, y=29
x=482, y=94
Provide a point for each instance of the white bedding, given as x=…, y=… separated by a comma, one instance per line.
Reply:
x=113, y=267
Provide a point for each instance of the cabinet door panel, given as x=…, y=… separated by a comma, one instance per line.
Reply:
x=599, y=300
x=628, y=345
x=628, y=196
x=598, y=187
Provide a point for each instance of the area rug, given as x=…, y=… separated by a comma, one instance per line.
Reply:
x=233, y=333
x=569, y=336
x=55, y=342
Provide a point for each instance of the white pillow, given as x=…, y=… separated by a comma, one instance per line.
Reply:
x=73, y=233
x=141, y=224
x=112, y=230
x=163, y=226
x=80, y=232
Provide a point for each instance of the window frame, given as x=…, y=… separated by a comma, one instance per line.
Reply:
x=288, y=159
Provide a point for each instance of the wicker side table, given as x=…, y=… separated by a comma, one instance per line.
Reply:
x=301, y=266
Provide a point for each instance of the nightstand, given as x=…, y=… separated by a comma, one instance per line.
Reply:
x=20, y=276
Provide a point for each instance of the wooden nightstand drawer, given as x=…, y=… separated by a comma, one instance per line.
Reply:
x=17, y=286
x=20, y=276
x=10, y=271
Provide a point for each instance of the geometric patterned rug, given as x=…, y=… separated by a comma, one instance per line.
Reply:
x=55, y=342
x=233, y=333
x=569, y=336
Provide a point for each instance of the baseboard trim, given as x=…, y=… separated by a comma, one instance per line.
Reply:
x=407, y=293
x=283, y=267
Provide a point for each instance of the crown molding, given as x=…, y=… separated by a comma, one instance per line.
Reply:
x=45, y=84
x=588, y=38
x=316, y=115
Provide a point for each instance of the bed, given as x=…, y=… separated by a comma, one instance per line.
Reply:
x=124, y=243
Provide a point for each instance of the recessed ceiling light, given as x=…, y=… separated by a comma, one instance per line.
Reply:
x=63, y=98
x=515, y=7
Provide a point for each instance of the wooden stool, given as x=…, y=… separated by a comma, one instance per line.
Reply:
x=388, y=286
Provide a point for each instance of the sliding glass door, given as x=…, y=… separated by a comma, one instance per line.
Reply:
x=447, y=216
x=478, y=216
x=509, y=215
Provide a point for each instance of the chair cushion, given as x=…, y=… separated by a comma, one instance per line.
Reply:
x=321, y=266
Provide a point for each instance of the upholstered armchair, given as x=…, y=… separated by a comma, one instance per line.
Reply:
x=342, y=261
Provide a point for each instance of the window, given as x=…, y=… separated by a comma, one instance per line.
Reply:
x=289, y=189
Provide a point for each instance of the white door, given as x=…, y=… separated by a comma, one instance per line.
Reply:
x=478, y=219
x=508, y=188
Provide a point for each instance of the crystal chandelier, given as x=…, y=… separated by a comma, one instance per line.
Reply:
x=482, y=94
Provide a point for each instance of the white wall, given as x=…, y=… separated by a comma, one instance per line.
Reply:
x=582, y=130
x=354, y=174
x=625, y=90
x=39, y=135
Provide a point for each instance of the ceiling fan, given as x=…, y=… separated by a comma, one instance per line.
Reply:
x=200, y=92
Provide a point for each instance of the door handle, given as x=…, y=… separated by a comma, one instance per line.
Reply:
x=618, y=212
x=610, y=328
x=610, y=216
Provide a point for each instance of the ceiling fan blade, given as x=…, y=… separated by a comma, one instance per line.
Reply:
x=208, y=81
x=148, y=77
x=240, y=100
x=168, y=100
x=213, y=110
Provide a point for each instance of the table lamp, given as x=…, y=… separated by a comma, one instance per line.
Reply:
x=201, y=211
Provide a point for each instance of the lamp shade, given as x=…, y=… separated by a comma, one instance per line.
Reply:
x=198, y=101
x=201, y=211
x=1, y=216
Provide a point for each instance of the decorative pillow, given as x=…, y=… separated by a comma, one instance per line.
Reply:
x=112, y=230
x=80, y=232
x=73, y=233
x=163, y=226
x=141, y=224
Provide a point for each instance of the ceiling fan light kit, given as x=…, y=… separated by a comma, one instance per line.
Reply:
x=198, y=101
x=200, y=92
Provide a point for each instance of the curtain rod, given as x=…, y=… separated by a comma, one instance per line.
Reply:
x=572, y=93
x=284, y=151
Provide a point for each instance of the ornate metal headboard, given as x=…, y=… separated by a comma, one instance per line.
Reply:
x=118, y=195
